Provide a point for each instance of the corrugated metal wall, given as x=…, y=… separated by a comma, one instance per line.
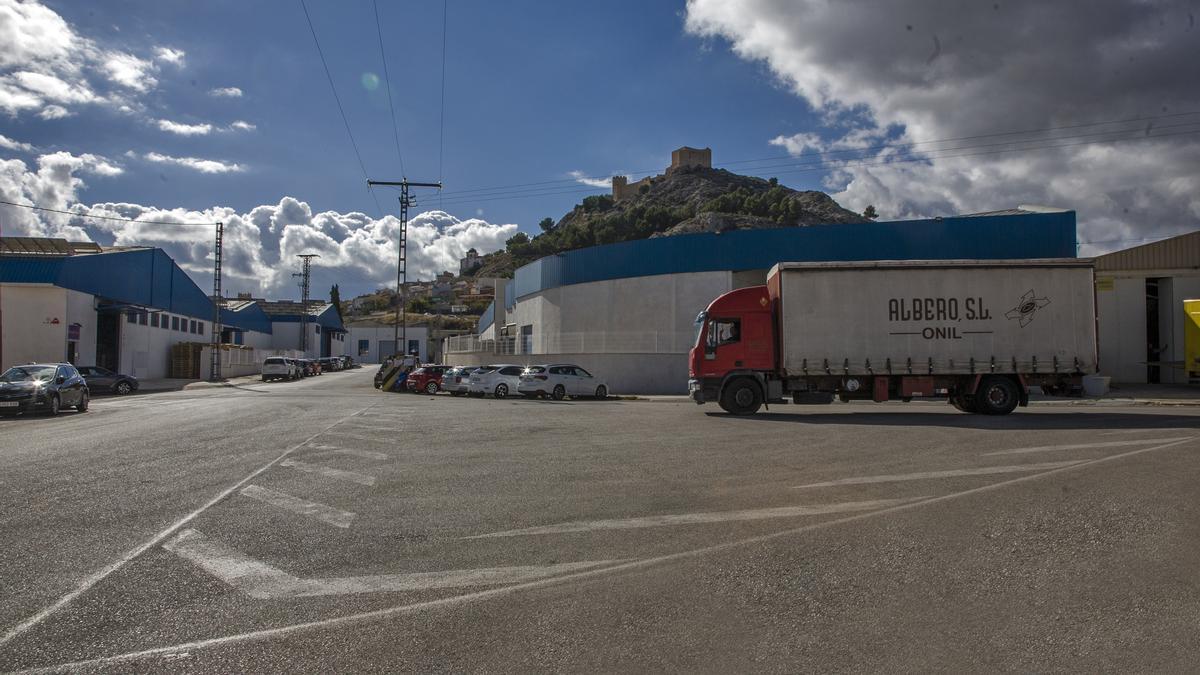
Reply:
x=1176, y=253
x=1039, y=235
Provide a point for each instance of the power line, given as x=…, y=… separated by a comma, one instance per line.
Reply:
x=442, y=119
x=388, y=80
x=345, y=121
x=547, y=188
x=88, y=215
x=855, y=150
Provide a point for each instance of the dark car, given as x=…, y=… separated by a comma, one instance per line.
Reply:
x=103, y=379
x=426, y=378
x=42, y=387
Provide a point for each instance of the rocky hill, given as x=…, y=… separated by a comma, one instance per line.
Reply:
x=683, y=201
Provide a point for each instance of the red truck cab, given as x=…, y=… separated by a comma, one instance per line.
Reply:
x=735, y=339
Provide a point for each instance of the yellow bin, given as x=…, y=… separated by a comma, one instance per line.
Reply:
x=1191, y=353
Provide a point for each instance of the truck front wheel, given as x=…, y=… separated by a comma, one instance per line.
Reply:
x=997, y=396
x=742, y=396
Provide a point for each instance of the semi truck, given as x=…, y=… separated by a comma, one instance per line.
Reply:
x=976, y=333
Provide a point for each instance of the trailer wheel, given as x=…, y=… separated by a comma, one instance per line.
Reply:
x=997, y=396
x=742, y=396
x=963, y=403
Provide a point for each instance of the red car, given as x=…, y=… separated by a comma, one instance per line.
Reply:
x=426, y=378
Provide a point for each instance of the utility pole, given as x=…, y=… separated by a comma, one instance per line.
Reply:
x=214, y=356
x=400, y=329
x=306, y=263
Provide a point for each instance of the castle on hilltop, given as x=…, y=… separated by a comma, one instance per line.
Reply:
x=684, y=157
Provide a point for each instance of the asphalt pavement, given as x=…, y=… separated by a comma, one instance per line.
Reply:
x=324, y=526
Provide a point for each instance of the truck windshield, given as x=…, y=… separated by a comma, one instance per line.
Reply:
x=700, y=319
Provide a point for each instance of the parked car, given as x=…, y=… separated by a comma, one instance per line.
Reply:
x=279, y=368
x=103, y=379
x=42, y=387
x=560, y=380
x=498, y=380
x=348, y=363
x=457, y=380
x=331, y=363
x=427, y=379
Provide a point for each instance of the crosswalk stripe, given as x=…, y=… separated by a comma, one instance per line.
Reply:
x=330, y=472
x=353, y=452
x=322, y=512
x=700, y=518
x=265, y=582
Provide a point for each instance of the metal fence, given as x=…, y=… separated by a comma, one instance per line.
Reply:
x=599, y=342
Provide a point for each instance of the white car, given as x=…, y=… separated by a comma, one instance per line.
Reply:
x=499, y=380
x=457, y=380
x=560, y=380
x=279, y=368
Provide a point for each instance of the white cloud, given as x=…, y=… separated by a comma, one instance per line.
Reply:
x=196, y=163
x=9, y=144
x=169, y=55
x=130, y=71
x=242, y=126
x=45, y=65
x=796, y=144
x=226, y=92
x=184, y=129
x=926, y=73
x=581, y=177
x=357, y=251
x=54, y=112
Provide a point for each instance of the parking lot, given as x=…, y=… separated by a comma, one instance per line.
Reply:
x=322, y=525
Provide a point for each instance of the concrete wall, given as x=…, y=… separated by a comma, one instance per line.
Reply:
x=653, y=314
x=1121, y=313
x=145, y=351
x=623, y=373
x=34, y=328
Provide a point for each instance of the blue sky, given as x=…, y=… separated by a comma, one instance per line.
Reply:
x=533, y=91
x=119, y=111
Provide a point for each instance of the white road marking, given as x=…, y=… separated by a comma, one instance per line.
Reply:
x=322, y=512
x=353, y=452
x=1083, y=446
x=979, y=471
x=487, y=594
x=370, y=439
x=101, y=574
x=699, y=518
x=260, y=580
x=329, y=472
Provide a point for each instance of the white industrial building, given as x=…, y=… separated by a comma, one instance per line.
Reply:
x=126, y=308
x=372, y=342
x=1139, y=307
x=626, y=311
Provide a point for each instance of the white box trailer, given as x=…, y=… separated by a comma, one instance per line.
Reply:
x=976, y=332
x=937, y=317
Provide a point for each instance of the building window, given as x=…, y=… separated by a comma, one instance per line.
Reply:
x=364, y=347
x=131, y=317
x=193, y=330
x=143, y=318
x=414, y=346
x=174, y=323
x=154, y=320
x=165, y=324
x=200, y=327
